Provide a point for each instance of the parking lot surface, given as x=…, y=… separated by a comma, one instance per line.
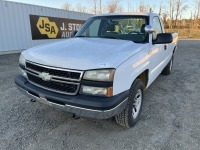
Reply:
x=170, y=118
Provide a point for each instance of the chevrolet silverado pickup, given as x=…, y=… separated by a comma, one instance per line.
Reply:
x=103, y=70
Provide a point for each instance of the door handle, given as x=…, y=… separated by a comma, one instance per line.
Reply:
x=165, y=47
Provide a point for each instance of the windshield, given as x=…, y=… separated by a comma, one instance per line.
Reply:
x=116, y=27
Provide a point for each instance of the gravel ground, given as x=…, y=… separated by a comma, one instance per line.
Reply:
x=170, y=118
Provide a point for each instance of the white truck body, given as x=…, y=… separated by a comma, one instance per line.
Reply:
x=129, y=59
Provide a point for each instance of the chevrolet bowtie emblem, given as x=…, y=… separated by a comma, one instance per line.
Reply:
x=45, y=76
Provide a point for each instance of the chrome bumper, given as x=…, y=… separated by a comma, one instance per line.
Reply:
x=91, y=113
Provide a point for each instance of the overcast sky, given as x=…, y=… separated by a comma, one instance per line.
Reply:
x=124, y=3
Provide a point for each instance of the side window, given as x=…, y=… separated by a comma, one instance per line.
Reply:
x=93, y=29
x=157, y=27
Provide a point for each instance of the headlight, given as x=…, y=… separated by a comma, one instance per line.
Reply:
x=96, y=91
x=22, y=60
x=22, y=72
x=99, y=75
x=22, y=63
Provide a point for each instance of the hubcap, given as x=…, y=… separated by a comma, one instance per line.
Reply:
x=137, y=103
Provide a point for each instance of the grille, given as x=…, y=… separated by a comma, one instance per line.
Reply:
x=57, y=86
x=62, y=81
x=60, y=73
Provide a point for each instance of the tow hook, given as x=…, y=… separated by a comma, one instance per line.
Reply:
x=76, y=116
x=32, y=100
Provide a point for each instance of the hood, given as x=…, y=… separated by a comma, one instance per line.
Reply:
x=83, y=53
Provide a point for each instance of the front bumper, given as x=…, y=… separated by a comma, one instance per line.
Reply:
x=82, y=105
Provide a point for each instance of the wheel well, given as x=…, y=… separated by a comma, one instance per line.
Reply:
x=174, y=50
x=144, y=77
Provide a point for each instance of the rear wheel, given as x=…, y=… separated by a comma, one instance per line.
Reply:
x=168, y=69
x=130, y=115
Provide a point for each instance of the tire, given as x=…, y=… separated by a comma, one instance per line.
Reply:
x=128, y=118
x=168, y=69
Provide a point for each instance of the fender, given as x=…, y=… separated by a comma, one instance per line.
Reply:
x=128, y=71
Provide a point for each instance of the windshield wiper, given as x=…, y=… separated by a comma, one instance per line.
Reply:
x=109, y=37
x=80, y=36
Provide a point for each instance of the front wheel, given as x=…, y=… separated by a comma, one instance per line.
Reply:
x=130, y=115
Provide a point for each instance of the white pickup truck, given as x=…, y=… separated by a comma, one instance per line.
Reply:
x=103, y=70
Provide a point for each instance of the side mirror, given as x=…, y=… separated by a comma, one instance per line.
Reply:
x=73, y=33
x=149, y=29
x=163, y=38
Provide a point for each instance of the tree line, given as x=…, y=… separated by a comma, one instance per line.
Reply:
x=172, y=12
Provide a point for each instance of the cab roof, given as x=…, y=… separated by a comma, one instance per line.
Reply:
x=127, y=14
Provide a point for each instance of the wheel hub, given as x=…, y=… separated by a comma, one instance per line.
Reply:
x=137, y=103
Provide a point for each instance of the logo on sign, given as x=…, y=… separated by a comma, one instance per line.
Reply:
x=47, y=27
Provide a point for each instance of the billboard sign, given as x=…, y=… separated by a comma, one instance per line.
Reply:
x=43, y=27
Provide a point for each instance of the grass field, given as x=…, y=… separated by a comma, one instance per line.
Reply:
x=186, y=33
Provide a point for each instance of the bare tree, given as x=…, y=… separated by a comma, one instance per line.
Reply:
x=95, y=6
x=191, y=21
x=120, y=8
x=160, y=10
x=130, y=7
x=100, y=7
x=184, y=23
x=180, y=7
x=196, y=15
x=81, y=8
x=164, y=17
x=197, y=9
x=144, y=7
x=113, y=6
x=171, y=13
x=66, y=6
